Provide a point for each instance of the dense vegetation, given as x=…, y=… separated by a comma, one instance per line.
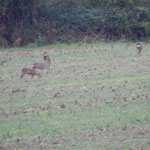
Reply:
x=49, y=21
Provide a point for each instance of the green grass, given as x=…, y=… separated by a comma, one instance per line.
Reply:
x=95, y=97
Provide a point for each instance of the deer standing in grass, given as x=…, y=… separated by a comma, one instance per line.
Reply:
x=46, y=64
x=29, y=71
x=38, y=66
x=47, y=60
x=139, y=48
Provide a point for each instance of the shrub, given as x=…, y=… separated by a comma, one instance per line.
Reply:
x=40, y=41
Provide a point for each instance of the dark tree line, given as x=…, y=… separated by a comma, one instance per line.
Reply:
x=48, y=21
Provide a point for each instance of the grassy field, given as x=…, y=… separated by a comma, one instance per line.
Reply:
x=94, y=97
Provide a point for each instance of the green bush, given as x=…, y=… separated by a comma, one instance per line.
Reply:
x=40, y=41
x=73, y=21
x=111, y=23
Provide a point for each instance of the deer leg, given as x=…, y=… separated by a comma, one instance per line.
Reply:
x=22, y=76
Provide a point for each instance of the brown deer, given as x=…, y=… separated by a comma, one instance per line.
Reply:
x=46, y=59
x=38, y=66
x=29, y=71
x=139, y=48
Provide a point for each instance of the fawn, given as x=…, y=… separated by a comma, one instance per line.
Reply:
x=29, y=71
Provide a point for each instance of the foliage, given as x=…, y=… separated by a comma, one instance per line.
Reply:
x=40, y=41
x=15, y=14
x=73, y=20
x=112, y=24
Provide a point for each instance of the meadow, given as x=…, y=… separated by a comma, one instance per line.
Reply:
x=94, y=97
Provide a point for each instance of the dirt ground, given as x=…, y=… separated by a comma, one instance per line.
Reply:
x=93, y=97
